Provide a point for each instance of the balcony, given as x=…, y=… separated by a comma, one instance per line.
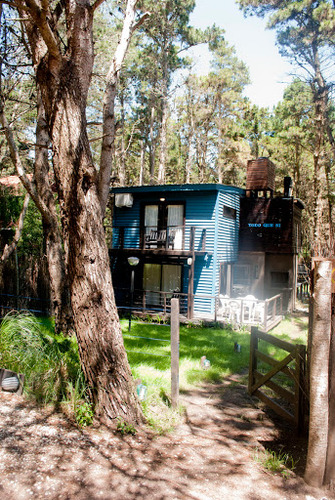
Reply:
x=183, y=240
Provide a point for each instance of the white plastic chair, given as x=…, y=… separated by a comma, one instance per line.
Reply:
x=234, y=311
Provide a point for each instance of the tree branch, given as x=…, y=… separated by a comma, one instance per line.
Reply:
x=108, y=132
x=97, y=4
x=40, y=18
x=28, y=185
x=143, y=18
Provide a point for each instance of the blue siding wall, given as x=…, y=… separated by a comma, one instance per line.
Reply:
x=129, y=219
x=227, y=231
x=227, y=234
x=201, y=213
x=222, y=242
x=203, y=210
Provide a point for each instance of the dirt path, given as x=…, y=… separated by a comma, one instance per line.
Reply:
x=209, y=457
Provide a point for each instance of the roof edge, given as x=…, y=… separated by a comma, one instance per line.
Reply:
x=178, y=187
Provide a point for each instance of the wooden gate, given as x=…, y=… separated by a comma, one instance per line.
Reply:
x=293, y=366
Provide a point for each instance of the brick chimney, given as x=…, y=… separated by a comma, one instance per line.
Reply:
x=260, y=177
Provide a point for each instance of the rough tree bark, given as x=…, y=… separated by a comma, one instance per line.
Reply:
x=320, y=104
x=152, y=145
x=43, y=199
x=164, y=123
x=63, y=78
x=330, y=462
x=319, y=373
x=108, y=132
x=60, y=293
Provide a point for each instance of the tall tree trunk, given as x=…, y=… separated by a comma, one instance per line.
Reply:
x=141, y=176
x=329, y=194
x=152, y=145
x=60, y=293
x=163, y=144
x=164, y=123
x=320, y=105
x=220, y=156
x=108, y=141
x=98, y=330
x=11, y=247
x=189, y=160
x=319, y=373
x=190, y=136
x=122, y=168
x=64, y=82
x=330, y=462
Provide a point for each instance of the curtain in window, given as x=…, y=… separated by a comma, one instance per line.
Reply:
x=175, y=222
x=150, y=223
x=151, y=216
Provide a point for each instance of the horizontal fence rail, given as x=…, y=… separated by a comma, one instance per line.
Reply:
x=149, y=301
x=34, y=305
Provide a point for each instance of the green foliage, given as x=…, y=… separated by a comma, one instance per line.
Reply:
x=49, y=362
x=84, y=414
x=76, y=398
x=31, y=242
x=124, y=427
x=10, y=208
x=278, y=462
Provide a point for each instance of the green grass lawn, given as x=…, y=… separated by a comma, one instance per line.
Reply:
x=50, y=362
x=150, y=362
x=216, y=344
x=150, y=359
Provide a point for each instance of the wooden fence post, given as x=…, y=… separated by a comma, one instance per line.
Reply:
x=253, y=357
x=174, y=352
x=319, y=374
x=300, y=398
x=266, y=307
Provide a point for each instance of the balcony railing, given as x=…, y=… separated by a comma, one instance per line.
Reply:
x=169, y=238
x=242, y=311
x=250, y=311
x=149, y=301
x=189, y=238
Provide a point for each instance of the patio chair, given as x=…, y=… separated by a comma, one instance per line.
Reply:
x=223, y=306
x=234, y=311
x=259, y=312
x=249, y=304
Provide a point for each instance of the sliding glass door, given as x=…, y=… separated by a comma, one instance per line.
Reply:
x=160, y=278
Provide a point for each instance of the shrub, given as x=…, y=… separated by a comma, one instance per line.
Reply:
x=49, y=362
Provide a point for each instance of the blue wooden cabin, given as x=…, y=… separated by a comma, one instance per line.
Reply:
x=185, y=237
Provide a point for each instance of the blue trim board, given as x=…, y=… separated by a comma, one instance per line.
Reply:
x=178, y=188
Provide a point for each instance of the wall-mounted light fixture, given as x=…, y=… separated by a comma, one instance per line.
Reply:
x=189, y=261
x=132, y=261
